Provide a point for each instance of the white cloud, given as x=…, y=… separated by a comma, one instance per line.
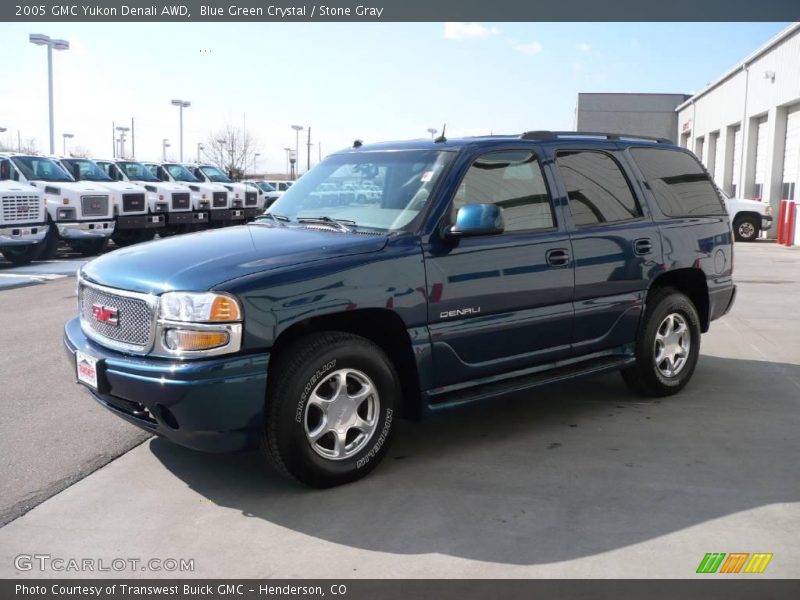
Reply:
x=584, y=47
x=530, y=49
x=463, y=31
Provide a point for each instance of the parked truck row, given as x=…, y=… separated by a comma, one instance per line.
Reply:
x=83, y=203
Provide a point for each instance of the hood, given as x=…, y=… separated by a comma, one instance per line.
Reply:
x=8, y=185
x=80, y=187
x=201, y=261
x=165, y=186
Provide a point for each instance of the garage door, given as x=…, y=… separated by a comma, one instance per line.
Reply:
x=719, y=159
x=761, y=157
x=791, y=154
x=737, y=160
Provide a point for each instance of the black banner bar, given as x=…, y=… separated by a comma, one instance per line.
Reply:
x=399, y=10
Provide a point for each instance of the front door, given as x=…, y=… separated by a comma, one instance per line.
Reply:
x=500, y=303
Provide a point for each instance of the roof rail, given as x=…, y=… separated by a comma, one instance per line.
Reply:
x=556, y=135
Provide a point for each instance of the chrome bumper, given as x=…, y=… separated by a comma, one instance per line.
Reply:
x=22, y=235
x=85, y=230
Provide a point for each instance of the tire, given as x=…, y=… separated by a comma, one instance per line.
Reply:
x=310, y=368
x=746, y=229
x=90, y=247
x=649, y=377
x=22, y=255
x=128, y=237
x=50, y=244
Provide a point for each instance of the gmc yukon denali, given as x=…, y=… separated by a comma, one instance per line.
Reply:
x=478, y=267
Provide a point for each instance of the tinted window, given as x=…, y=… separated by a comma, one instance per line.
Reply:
x=681, y=186
x=513, y=180
x=597, y=189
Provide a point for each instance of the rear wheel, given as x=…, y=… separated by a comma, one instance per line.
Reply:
x=90, y=247
x=745, y=229
x=668, y=345
x=22, y=255
x=331, y=409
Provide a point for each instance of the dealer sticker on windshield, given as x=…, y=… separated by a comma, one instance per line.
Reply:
x=87, y=369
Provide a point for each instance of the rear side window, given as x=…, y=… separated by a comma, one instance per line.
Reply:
x=514, y=181
x=680, y=185
x=597, y=189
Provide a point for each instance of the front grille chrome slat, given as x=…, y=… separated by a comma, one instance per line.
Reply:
x=21, y=208
x=94, y=206
x=136, y=317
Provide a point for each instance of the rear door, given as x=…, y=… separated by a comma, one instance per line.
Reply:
x=616, y=245
x=499, y=303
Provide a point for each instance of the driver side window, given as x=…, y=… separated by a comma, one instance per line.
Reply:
x=513, y=180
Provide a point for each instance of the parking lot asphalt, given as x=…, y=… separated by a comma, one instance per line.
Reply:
x=581, y=480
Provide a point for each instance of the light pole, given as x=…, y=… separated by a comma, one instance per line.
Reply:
x=181, y=104
x=44, y=40
x=288, y=151
x=432, y=131
x=200, y=148
x=122, y=132
x=297, y=130
x=164, y=145
x=66, y=136
x=255, y=161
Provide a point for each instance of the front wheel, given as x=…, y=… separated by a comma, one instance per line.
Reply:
x=127, y=237
x=90, y=247
x=331, y=409
x=745, y=229
x=22, y=255
x=667, y=347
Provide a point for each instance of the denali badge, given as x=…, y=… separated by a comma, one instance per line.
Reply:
x=105, y=314
x=459, y=312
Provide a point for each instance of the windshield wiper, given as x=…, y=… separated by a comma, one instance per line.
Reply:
x=279, y=219
x=344, y=225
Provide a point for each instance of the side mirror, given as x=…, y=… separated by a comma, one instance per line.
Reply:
x=477, y=219
x=5, y=170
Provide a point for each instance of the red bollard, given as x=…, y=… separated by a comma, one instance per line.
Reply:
x=781, y=219
x=789, y=233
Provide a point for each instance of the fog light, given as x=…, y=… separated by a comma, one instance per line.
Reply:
x=186, y=340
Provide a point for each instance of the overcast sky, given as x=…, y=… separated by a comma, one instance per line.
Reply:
x=369, y=81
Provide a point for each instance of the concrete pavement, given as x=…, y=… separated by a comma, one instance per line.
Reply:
x=579, y=480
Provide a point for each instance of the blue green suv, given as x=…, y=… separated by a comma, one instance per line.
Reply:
x=397, y=279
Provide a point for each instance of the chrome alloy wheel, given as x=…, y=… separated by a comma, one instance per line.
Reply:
x=747, y=230
x=341, y=414
x=672, y=344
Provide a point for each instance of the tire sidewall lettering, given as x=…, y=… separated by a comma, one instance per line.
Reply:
x=310, y=385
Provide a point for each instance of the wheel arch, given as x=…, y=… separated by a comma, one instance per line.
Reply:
x=690, y=281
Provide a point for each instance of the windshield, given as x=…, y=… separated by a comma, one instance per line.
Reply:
x=376, y=190
x=181, y=173
x=85, y=170
x=137, y=171
x=38, y=168
x=214, y=174
x=265, y=187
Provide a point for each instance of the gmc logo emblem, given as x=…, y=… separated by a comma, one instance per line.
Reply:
x=105, y=314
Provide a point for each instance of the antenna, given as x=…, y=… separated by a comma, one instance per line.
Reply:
x=441, y=139
x=358, y=144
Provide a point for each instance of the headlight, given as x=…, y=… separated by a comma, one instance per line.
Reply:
x=195, y=197
x=205, y=307
x=769, y=210
x=189, y=340
x=65, y=214
x=152, y=198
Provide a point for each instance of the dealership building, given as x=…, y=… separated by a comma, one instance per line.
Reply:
x=745, y=125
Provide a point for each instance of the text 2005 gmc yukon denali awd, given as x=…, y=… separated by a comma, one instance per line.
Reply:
x=481, y=266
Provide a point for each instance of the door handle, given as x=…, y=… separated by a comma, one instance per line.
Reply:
x=557, y=257
x=642, y=246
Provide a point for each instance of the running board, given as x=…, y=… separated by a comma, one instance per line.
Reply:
x=493, y=389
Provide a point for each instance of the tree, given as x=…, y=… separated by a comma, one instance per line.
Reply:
x=26, y=145
x=231, y=149
x=79, y=152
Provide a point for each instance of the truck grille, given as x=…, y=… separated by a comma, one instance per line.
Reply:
x=132, y=202
x=250, y=198
x=21, y=209
x=220, y=199
x=94, y=206
x=135, y=317
x=180, y=201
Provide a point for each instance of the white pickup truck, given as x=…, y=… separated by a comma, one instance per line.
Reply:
x=214, y=197
x=23, y=225
x=133, y=223
x=748, y=217
x=80, y=213
x=176, y=201
x=240, y=195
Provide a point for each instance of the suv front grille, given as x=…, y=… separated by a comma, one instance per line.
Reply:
x=132, y=202
x=250, y=198
x=135, y=318
x=21, y=209
x=180, y=201
x=220, y=199
x=94, y=206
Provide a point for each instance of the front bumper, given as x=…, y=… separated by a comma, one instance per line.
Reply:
x=252, y=212
x=189, y=217
x=213, y=405
x=22, y=235
x=766, y=222
x=85, y=230
x=227, y=214
x=140, y=221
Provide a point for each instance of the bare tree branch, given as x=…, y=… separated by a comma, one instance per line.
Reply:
x=231, y=149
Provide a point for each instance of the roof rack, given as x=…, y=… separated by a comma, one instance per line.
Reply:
x=557, y=135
